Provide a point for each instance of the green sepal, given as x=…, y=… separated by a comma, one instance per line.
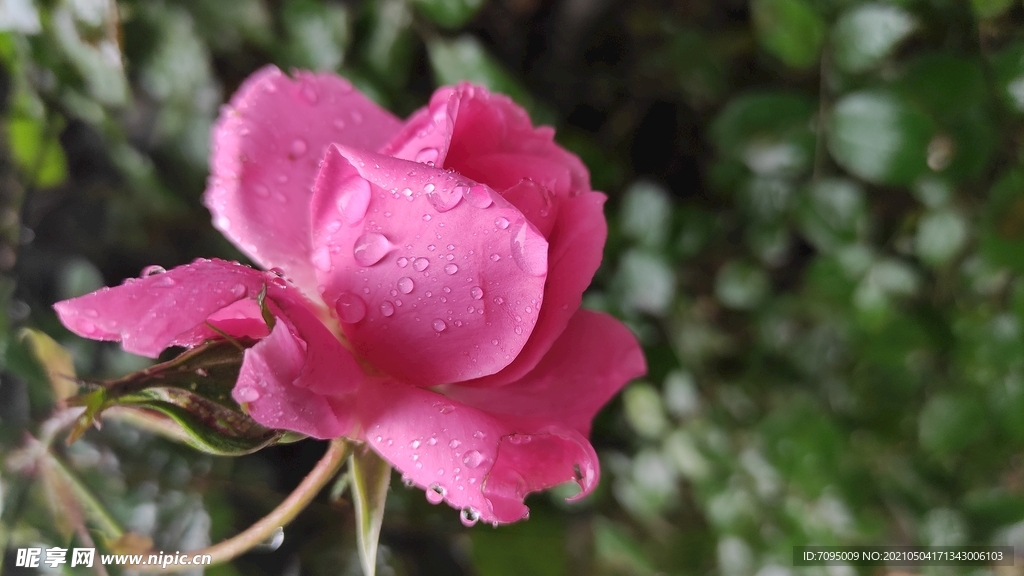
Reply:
x=194, y=391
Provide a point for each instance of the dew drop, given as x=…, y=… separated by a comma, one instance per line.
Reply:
x=469, y=516
x=238, y=290
x=477, y=196
x=407, y=192
x=473, y=459
x=405, y=285
x=442, y=199
x=407, y=481
x=353, y=195
x=530, y=250
x=339, y=123
x=431, y=441
x=350, y=307
x=427, y=155
x=427, y=217
x=420, y=264
x=164, y=282
x=501, y=222
x=414, y=444
x=450, y=269
x=152, y=270
x=402, y=262
x=454, y=444
x=439, y=325
x=387, y=308
x=370, y=248
x=298, y=147
x=495, y=257
x=248, y=394
x=435, y=493
x=479, y=435
x=499, y=300
x=476, y=292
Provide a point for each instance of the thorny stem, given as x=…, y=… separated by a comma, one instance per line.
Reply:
x=285, y=512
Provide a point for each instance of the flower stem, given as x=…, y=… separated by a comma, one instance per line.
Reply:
x=285, y=512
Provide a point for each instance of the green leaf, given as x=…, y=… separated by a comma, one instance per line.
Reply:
x=940, y=236
x=880, y=137
x=449, y=13
x=1002, y=230
x=194, y=391
x=990, y=8
x=464, y=58
x=832, y=213
x=768, y=132
x=37, y=151
x=950, y=423
x=1008, y=67
x=741, y=286
x=536, y=547
x=55, y=361
x=789, y=29
x=954, y=91
x=370, y=480
x=867, y=34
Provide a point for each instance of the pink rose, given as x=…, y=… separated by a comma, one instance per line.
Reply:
x=435, y=272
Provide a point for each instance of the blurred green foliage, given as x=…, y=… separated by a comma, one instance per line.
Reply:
x=817, y=231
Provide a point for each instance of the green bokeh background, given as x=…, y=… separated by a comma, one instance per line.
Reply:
x=817, y=233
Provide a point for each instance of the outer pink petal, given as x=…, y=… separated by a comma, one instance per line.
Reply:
x=473, y=460
x=300, y=381
x=593, y=358
x=430, y=288
x=152, y=313
x=266, y=147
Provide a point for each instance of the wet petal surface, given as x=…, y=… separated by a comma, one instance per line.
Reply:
x=267, y=144
x=430, y=287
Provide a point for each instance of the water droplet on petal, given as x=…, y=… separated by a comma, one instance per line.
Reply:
x=165, y=282
x=450, y=269
x=387, y=308
x=442, y=199
x=298, y=147
x=427, y=155
x=454, y=444
x=339, y=123
x=370, y=248
x=407, y=192
x=405, y=285
x=420, y=264
x=151, y=270
x=477, y=196
x=353, y=195
x=473, y=459
x=248, y=394
x=435, y=493
x=439, y=325
x=476, y=292
x=402, y=262
x=407, y=481
x=530, y=250
x=350, y=307
x=238, y=290
x=322, y=259
x=469, y=516
x=426, y=217
x=414, y=444
x=495, y=257
x=479, y=435
x=501, y=222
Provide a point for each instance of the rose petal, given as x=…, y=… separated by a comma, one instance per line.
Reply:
x=428, y=132
x=576, y=247
x=154, y=312
x=430, y=288
x=471, y=459
x=266, y=147
x=300, y=381
x=593, y=358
